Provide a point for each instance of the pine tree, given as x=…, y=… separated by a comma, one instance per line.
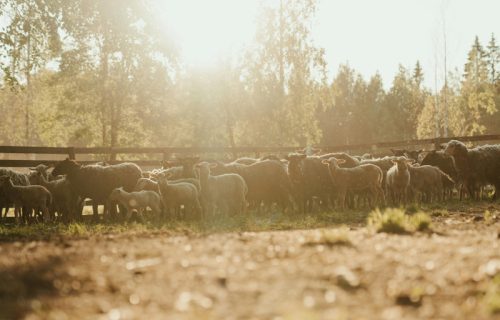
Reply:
x=478, y=98
x=493, y=60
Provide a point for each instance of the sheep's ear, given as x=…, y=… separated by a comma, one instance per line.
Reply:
x=213, y=165
x=32, y=169
x=326, y=162
x=394, y=162
x=340, y=161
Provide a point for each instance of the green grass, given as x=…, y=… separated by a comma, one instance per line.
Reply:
x=239, y=223
x=332, y=237
x=403, y=221
x=492, y=296
x=395, y=220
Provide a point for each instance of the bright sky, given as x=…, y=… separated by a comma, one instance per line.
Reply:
x=371, y=35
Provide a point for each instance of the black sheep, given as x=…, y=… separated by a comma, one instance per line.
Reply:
x=309, y=178
x=476, y=167
x=97, y=182
x=444, y=162
x=267, y=181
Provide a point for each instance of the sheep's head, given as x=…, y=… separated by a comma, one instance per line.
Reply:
x=333, y=163
x=413, y=154
x=216, y=168
x=456, y=148
x=402, y=163
x=188, y=166
x=65, y=167
x=296, y=165
x=398, y=152
x=165, y=164
x=114, y=194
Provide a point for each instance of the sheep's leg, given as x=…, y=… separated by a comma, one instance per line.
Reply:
x=342, y=199
x=46, y=214
x=155, y=210
x=197, y=209
x=95, y=210
x=127, y=213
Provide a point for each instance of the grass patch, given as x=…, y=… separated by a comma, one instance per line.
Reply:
x=253, y=221
x=492, y=296
x=394, y=220
x=421, y=221
x=332, y=238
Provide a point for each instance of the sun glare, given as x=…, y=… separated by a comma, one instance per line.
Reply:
x=207, y=31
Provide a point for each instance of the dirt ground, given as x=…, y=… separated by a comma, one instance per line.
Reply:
x=299, y=274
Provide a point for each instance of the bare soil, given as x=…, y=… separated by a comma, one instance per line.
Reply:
x=295, y=274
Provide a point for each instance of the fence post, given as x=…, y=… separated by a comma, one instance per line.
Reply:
x=71, y=153
x=112, y=154
x=165, y=157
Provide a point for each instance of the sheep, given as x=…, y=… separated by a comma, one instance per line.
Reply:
x=179, y=194
x=363, y=177
x=398, y=180
x=246, y=160
x=151, y=185
x=476, y=167
x=188, y=167
x=407, y=153
x=138, y=200
x=145, y=184
x=428, y=180
x=444, y=162
x=267, y=182
x=27, y=198
x=350, y=161
x=169, y=167
x=20, y=179
x=96, y=182
x=227, y=192
x=65, y=201
x=309, y=178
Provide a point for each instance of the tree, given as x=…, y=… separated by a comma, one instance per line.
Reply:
x=477, y=93
x=285, y=74
x=404, y=102
x=29, y=40
x=493, y=60
x=118, y=44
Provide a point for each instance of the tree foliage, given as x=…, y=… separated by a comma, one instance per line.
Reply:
x=104, y=73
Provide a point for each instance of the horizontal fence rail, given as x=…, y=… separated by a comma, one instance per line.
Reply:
x=168, y=152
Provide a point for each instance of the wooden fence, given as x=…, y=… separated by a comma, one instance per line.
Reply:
x=169, y=153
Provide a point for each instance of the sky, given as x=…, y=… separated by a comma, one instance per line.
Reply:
x=372, y=36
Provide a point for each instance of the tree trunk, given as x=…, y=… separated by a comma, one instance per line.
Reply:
x=29, y=99
x=104, y=97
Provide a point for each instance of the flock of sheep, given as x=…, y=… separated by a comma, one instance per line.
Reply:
x=299, y=182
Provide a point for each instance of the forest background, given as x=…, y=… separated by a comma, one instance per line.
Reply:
x=103, y=73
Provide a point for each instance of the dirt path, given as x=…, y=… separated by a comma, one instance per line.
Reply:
x=267, y=275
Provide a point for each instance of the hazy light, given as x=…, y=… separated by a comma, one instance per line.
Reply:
x=208, y=30
x=373, y=36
